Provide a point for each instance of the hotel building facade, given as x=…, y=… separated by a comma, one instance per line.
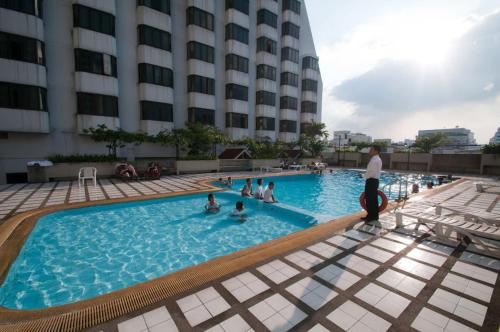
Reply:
x=248, y=67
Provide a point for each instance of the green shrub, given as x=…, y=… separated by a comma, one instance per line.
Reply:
x=82, y=158
x=491, y=149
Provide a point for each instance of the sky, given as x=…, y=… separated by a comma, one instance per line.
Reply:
x=392, y=67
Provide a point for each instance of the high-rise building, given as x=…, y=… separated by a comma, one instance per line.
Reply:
x=248, y=67
x=496, y=138
x=455, y=136
x=346, y=138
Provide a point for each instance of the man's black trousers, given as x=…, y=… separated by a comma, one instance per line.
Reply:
x=371, y=198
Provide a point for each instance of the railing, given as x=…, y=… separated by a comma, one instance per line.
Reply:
x=399, y=181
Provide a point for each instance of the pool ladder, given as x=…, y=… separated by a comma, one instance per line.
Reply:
x=401, y=182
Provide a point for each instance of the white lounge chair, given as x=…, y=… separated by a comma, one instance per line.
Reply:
x=469, y=213
x=443, y=226
x=483, y=186
x=87, y=173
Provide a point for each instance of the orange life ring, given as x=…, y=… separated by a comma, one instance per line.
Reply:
x=381, y=207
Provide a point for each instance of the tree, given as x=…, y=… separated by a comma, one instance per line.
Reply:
x=313, y=139
x=491, y=149
x=115, y=139
x=175, y=137
x=202, y=139
x=264, y=148
x=427, y=143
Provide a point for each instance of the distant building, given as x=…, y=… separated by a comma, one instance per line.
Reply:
x=383, y=141
x=456, y=136
x=496, y=138
x=409, y=141
x=345, y=138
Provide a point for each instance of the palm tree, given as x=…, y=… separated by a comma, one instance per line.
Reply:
x=175, y=137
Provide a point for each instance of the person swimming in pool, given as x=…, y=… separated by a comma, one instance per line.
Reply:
x=212, y=206
x=229, y=182
x=269, y=194
x=247, y=190
x=259, y=192
x=238, y=212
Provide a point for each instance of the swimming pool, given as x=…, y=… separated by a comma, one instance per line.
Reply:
x=77, y=254
x=331, y=195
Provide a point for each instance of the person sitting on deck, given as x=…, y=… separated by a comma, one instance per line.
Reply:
x=128, y=171
x=259, y=193
x=247, y=188
x=238, y=212
x=212, y=206
x=269, y=194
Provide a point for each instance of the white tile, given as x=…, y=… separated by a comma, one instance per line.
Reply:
x=277, y=323
x=262, y=310
x=485, y=261
x=207, y=294
x=416, y=268
x=318, y=328
x=383, y=299
x=245, y=286
x=189, y=302
x=197, y=315
x=311, y=292
x=338, y=277
x=403, y=238
x=325, y=250
x=342, y=241
x=388, y=245
x=427, y=257
x=136, y=324
x=277, y=313
x=436, y=247
x=360, y=236
x=429, y=320
x=217, y=306
x=459, y=306
x=304, y=259
x=358, y=264
x=156, y=316
x=374, y=253
x=352, y=316
x=475, y=272
x=235, y=323
x=202, y=305
x=277, y=271
x=167, y=326
x=467, y=286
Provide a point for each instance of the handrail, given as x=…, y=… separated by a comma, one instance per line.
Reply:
x=390, y=184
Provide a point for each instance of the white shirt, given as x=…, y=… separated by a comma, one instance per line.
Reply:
x=374, y=168
x=268, y=195
x=259, y=193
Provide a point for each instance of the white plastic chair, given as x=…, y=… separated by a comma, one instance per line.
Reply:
x=87, y=173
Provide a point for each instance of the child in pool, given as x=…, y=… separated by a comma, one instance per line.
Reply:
x=247, y=190
x=238, y=212
x=212, y=206
x=229, y=182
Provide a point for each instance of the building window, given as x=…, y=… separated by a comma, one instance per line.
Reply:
x=94, y=104
x=93, y=19
x=152, y=110
x=290, y=29
x=154, y=37
x=288, y=78
x=159, y=5
x=265, y=98
x=290, y=54
x=201, y=84
x=95, y=63
x=265, y=44
x=200, y=51
x=199, y=17
x=309, y=85
x=288, y=103
x=236, y=91
x=308, y=107
x=236, y=32
x=236, y=120
x=201, y=115
x=304, y=126
x=240, y=5
x=21, y=48
x=265, y=16
x=293, y=5
x=309, y=62
x=265, y=71
x=236, y=62
x=153, y=74
x=31, y=7
x=264, y=123
x=20, y=96
x=288, y=126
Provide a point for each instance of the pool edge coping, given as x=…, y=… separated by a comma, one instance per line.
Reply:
x=87, y=313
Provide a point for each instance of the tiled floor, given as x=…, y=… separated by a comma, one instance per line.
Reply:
x=366, y=278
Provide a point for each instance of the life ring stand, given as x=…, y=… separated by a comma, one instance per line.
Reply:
x=381, y=207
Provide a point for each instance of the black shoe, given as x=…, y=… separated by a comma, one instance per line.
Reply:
x=366, y=220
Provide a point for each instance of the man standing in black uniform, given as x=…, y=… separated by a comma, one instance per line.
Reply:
x=372, y=177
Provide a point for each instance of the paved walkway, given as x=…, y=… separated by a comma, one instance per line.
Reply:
x=366, y=278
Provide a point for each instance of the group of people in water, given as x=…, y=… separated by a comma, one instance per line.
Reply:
x=266, y=195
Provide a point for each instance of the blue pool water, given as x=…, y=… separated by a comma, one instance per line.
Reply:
x=77, y=254
x=331, y=195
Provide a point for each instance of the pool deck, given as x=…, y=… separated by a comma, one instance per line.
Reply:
x=338, y=276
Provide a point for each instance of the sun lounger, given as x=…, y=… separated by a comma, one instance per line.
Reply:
x=469, y=213
x=443, y=226
x=483, y=186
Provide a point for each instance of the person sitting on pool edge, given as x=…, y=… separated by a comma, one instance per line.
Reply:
x=247, y=190
x=238, y=212
x=212, y=206
x=259, y=193
x=269, y=194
